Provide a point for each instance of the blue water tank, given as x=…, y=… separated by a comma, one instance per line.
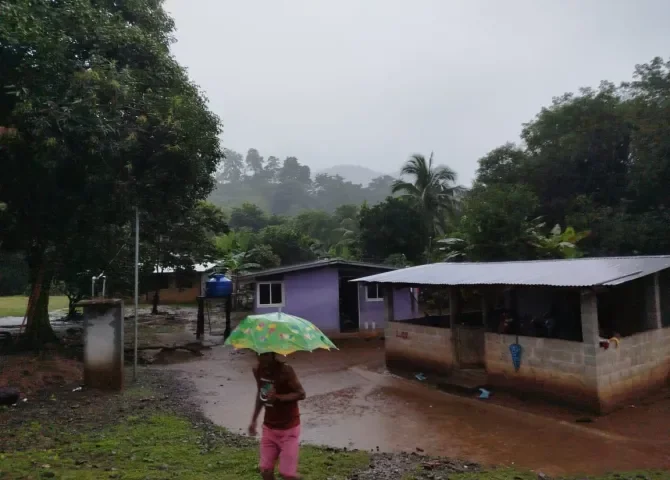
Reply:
x=218, y=286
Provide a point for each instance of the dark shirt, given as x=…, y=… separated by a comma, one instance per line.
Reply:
x=278, y=415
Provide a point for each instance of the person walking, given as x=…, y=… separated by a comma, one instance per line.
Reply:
x=278, y=392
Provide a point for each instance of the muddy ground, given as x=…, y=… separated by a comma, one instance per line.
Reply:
x=63, y=410
x=407, y=430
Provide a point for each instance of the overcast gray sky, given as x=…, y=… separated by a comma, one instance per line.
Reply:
x=369, y=82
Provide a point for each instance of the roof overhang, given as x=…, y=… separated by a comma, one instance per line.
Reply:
x=583, y=272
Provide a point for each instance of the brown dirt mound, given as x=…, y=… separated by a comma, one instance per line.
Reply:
x=31, y=373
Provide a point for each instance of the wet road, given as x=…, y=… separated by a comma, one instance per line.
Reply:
x=350, y=404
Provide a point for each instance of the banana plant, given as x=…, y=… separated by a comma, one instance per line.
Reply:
x=559, y=242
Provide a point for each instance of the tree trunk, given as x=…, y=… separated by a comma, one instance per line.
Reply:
x=72, y=301
x=38, y=328
x=156, y=300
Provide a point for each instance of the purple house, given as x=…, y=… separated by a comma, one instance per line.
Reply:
x=322, y=292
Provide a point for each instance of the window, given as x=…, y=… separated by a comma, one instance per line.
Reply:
x=374, y=293
x=270, y=294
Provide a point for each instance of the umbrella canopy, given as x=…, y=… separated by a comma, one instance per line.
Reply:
x=279, y=333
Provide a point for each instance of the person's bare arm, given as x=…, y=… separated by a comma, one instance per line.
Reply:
x=258, y=406
x=297, y=392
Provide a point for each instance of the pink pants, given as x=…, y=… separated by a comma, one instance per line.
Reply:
x=282, y=445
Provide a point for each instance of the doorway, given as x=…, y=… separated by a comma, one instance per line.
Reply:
x=469, y=340
x=349, y=314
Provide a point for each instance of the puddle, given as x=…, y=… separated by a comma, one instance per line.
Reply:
x=353, y=407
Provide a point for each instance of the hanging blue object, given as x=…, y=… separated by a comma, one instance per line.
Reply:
x=515, y=350
x=218, y=286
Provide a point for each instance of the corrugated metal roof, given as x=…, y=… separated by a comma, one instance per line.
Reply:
x=328, y=262
x=583, y=272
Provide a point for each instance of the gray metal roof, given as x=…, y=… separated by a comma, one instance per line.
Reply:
x=583, y=272
x=328, y=262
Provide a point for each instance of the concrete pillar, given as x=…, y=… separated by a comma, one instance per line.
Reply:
x=589, y=310
x=389, y=308
x=103, y=343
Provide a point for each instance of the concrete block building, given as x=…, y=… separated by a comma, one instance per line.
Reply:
x=594, y=332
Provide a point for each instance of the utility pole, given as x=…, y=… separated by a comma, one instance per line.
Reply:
x=137, y=285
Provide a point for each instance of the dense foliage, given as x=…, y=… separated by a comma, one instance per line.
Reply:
x=98, y=118
x=598, y=161
x=287, y=187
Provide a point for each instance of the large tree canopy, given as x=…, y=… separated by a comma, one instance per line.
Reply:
x=104, y=120
x=598, y=160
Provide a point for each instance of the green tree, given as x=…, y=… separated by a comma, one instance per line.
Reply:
x=254, y=162
x=497, y=224
x=13, y=274
x=317, y=224
x=105, y=121
x=347, y=233
x=433, y=188
x=248, y=216
x=232, y=167
x=181, y=243
x=394, y=226
x=290, y=245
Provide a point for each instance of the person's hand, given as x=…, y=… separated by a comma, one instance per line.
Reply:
x=253, y=431
x=272, y=395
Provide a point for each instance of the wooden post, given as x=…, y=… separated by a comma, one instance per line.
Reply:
x=389, y=310
x=657, y=298
x=453, y=306
x=485, y=309
x=200, y=322
x=229, y=304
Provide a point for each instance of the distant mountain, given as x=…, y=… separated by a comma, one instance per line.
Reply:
x=353, y=173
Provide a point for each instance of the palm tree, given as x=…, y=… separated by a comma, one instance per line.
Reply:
x=433, y=188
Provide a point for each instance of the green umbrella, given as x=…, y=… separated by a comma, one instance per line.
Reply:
x=279, y=333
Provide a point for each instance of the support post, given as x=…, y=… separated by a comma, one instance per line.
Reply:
x=485, y=308
x=589, y=314
x=229, y=305
x=657, y=298
x=389, y=308
x=200, y=319
x=453, y=307
x=137, y=289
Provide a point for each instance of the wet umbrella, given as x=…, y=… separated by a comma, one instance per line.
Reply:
x=279, y=333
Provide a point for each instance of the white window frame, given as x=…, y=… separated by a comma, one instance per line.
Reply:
x=270, y=305
x=379, y=291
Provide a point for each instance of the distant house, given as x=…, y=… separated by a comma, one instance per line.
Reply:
x=322, y=292
x=180, y=286
x=594, y=332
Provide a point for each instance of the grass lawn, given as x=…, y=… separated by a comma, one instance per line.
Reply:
x=161, y=446
x=16, y=306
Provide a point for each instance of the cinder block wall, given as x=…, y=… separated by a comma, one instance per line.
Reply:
x=418, y=348
x=560, y=369
x=640, y=365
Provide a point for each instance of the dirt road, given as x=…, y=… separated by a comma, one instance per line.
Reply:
x=350, y=404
